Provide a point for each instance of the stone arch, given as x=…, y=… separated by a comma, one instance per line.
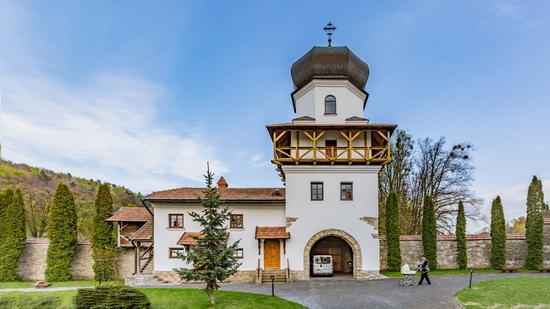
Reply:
x=356, y=249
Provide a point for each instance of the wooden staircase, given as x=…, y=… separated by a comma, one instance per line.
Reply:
x=280, y=275
x=147, y=262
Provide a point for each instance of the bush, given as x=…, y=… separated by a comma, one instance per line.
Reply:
x=498, y=235
x=429, y=232
x=119, y=297
x=461, y=256
x=393, y=232
x=62, y=235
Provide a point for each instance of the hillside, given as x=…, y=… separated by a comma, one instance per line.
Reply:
x=38, y=186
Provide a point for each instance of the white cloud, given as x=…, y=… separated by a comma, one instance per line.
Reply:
x=258, y=160
x=105, y=128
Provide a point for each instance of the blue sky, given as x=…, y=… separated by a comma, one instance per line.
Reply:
x=143, y=93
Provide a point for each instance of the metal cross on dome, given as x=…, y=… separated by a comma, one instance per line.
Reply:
x=329, y=29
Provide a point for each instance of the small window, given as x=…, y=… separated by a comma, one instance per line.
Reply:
x=175, y=220
x=316, y=191
x=176, y=253
x=236, y=222
x=346, y=191
x=330, y=151
x=239, y=253
x=330, y=105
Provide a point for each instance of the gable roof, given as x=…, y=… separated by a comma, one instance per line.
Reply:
x=130, y=214
x=234, y=195
x=144, y=233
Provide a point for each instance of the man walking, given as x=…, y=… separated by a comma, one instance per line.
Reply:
x=424, y=269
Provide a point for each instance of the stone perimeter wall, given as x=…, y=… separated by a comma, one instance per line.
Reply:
x=478, y=251
x=32, y=264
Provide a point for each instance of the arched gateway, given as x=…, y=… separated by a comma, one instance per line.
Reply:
x=350, y=240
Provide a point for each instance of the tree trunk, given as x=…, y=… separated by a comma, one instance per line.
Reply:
x=212, y=296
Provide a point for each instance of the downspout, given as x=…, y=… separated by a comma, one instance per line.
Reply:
x=142, y=200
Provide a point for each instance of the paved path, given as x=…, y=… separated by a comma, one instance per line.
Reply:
x=383, y=293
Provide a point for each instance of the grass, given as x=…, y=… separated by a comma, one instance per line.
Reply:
x=5, y=170
x=450, y=272
x=172, y=298
x=507, y=293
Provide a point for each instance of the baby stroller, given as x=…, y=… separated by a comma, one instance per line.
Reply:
x=408, y=276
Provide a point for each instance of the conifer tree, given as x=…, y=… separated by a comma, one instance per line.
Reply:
x=498, y=235
x=62, y=234
x=534, y=224
x=5, y=200
x=14, y=237
x=429, y=232
x=461, y=254
x=103, y=241
x=393, y=232
x=212, y=258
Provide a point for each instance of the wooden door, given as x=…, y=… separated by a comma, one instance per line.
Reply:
x=272, y=251
x=336, y=253
x=330, y=149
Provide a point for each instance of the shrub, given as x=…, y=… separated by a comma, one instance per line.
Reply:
x=393, y=232
x=429, y=232
x=12, y=243
x=534, y=224
x=30, y=301
x=103, y=241
x=119, y=297
x=62, y=235
x=498, y=235
x=461, y=254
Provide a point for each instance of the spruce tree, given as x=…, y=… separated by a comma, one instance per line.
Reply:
x=62, y=234
x=429, y=232
x=212, y=259
x=393, y=232
x=13, y=241
x=498, y=235
x=5, y=200
x=534, y=224
x=103, y=240
x=461, y=254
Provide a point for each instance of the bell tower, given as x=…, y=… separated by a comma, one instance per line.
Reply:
x=329, y=157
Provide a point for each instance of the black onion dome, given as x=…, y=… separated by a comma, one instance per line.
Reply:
x=330, y=62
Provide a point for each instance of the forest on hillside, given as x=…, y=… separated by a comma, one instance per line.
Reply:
x=38, y=186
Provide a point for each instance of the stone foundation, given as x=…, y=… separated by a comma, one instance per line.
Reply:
x=244, y=276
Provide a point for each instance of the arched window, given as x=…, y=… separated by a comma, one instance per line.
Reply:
x=330, y=105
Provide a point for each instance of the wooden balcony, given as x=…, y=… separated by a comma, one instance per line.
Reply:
x=299, y=144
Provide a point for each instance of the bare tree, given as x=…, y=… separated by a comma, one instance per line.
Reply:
x=37, y=208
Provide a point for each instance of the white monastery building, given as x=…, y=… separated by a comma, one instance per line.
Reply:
x=328, y=157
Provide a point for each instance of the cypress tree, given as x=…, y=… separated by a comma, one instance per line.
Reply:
x=534, y=224
x=461, y=255
x=213, y=259
x=13, y=241
x=103, y=241
x=62, y=235
x=498, y=235
x=5, y=200
x=393, y=232
x=429, y=232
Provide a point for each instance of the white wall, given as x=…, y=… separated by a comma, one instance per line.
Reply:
x=253, y=215
x=310, y=101
x=332, y=213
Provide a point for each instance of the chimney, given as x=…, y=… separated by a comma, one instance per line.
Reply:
x=222, y=183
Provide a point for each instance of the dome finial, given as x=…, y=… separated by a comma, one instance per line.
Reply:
x=329, y=29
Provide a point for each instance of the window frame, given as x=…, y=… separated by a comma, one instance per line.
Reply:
x=241, y=250
x=231, y=221
x=170, y=221
x=172, y=255
x=331, y=101
x=346, y=183
x=322, y=190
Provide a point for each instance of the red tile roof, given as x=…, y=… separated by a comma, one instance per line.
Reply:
x=271, y=232
x=189, y=238
x=226, y=194
x=509, y=236
x=144, y=233
x=130, y=214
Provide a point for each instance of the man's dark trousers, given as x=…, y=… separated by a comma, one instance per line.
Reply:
x=424, y=276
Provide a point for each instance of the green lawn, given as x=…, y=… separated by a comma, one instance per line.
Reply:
x=507, y=293
x=449, y=272
x=168, y=298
